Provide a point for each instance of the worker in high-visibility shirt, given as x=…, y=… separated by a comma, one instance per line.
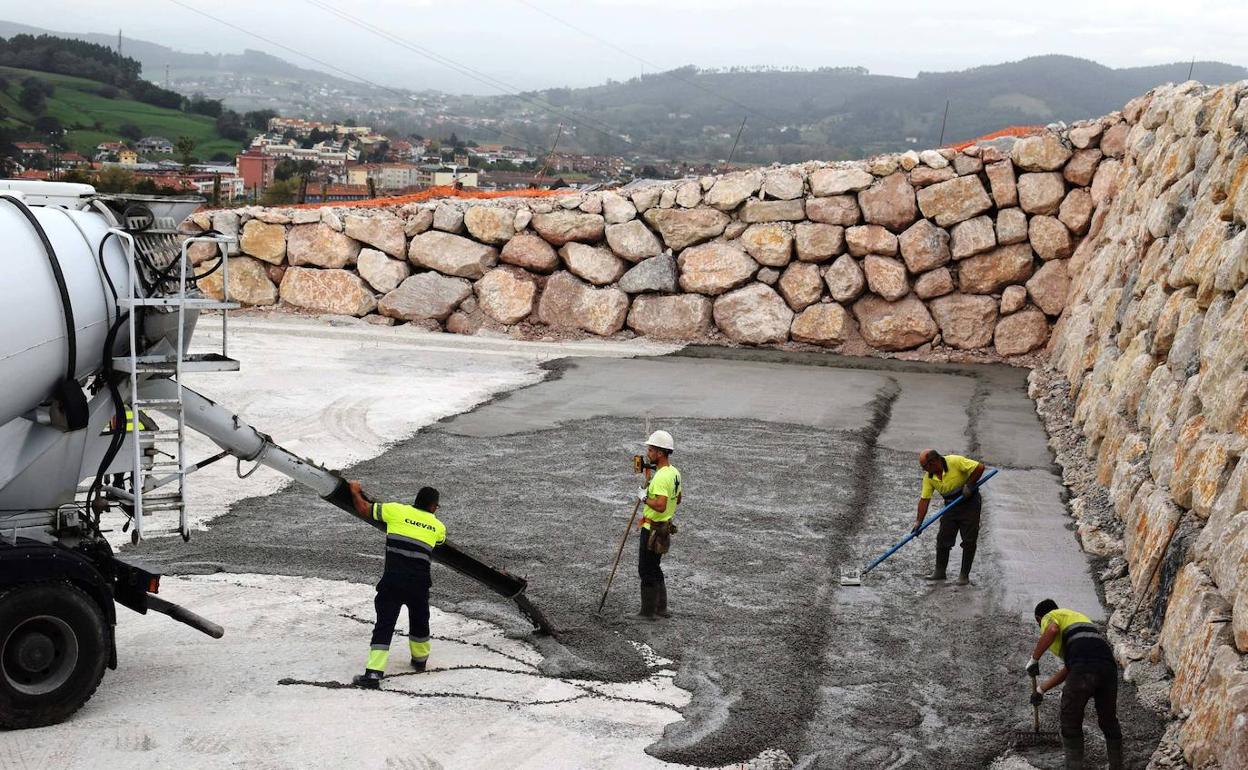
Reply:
x=660, y=498
x=951, y=476
x=1089, y=671
x=412, y=532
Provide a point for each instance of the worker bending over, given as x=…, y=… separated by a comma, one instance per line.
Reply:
x=952, y=475
x=660, y=497
x=412, y=532
x=1090, y=673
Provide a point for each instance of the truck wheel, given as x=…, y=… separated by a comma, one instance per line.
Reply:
x=53, y=650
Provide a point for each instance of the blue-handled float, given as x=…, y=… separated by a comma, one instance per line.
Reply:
x=854, y=578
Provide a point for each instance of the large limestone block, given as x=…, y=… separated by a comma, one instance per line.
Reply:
x=1049, y=238
x=1194, y=629
x=264, y=241
x=646, y=198
x=1106, y=181
x=1150, y=521
x=1011, y=226
x=1003, y=183
x=1114, y=140
x=321, y=246
x=1215, y=734
x=490, y=224
x=1012, y=299
x=845, y=279
x=824, y=324
x=334, y=291
x=227, y=223
x=898, y=325
x=681, y=228
x=801, y=285
x=835, y=210
x=451, y=254
x=731, y=190
x=923, y=176
x=1046, y=152
x=769, y=244
x=1049, y=286
x=838, y=181
x=381, y=272
x=1041, y=193
x=924, y=246
x=714, y=268
x=679, y=317
x=249, y=282
x=568, y=303
x=592, y=263
x=966, y=321
x=1086, y=135
x=530, y=252
x=753, y=315
x=617, y=209
x=448, y=217
x=506, y=294
x=954, y=201
x=689, y=194
x=1020, y=333
x=633, y=241
x=990, y=273
x=425, y=296
x=886, y=277
x=773, y=211
x=657, y=274
x=1076, y=210
x=870, y=239
x=974, y=236
x=563, y=226
x=937, y=283
x=783, y=184
x=382, y=231
x=818, y=242
x=889, y=202
x=1082, y=167
x=1224, y=364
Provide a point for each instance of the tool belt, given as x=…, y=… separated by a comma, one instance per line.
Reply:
x=661, y=532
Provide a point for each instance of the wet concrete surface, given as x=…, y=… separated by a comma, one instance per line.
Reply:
x=794, y=468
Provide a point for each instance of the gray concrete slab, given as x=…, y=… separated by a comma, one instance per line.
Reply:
x=795, y=467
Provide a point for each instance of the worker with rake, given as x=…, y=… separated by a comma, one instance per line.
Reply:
x=951, y=476
x=659, y=498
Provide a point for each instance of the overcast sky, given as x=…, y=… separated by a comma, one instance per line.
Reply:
x=528, y=43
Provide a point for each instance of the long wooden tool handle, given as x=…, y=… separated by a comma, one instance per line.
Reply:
x=618, y=554
x=1035, y=706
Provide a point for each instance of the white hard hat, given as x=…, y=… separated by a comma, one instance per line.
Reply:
x=661, y=439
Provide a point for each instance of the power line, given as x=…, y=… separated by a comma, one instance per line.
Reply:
x=480, y=77
x=286, y=48
x=645, y=63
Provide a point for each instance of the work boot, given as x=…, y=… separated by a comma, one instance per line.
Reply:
x=419, y=665
x=968, y=558
x=649, y=600
x=1113, y=747
x=963, y=580
x=942, y=563
x=369, y=680
x=1073, y=748
x=660, y=606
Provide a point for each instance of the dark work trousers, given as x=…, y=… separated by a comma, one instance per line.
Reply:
x=397, y=588
x=1096, y=681
x=962, y=519
x=649, y=568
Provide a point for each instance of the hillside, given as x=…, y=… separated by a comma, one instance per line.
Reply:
x=848, y=112
x=90, y=117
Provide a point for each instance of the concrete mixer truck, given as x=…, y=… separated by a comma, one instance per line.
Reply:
x=99, y=304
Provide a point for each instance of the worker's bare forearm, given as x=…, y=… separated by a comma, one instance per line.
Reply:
x=922, y=513
x=363, y=506
x=976, y=474
x=1045, y=641
x=1055, y=680
x=657, y=503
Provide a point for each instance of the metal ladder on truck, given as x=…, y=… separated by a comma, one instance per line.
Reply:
x=159, y=464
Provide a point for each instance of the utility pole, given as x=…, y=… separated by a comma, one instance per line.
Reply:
x=734, y=141
x=943, y=121
x=1191, y=67
x=551, y=154
x=118, y=42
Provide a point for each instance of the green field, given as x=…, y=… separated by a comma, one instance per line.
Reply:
x=91, y=119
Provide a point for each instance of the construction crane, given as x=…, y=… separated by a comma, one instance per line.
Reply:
x=100, y=301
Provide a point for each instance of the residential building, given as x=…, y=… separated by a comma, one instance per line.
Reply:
x=31, y=149
x=386, y=176
x=127, y=157
x=154, y=144
x=450, y=176
x=256, y=169
x=336, y=192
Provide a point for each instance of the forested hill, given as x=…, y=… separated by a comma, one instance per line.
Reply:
x=848, y=112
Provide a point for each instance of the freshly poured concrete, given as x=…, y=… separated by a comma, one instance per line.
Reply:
x=794, y=468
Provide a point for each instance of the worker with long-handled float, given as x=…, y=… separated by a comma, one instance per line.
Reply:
x=956, y=478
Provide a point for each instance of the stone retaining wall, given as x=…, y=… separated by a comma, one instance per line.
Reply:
x=964, y=250
x=1154, y=348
